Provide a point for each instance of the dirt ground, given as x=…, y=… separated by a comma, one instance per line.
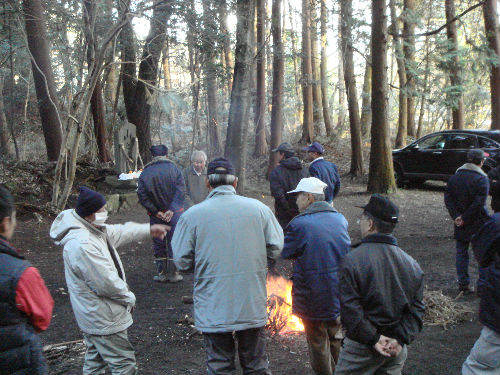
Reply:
x=167, y=345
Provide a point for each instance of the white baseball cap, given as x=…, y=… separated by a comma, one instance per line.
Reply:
x=311, y=185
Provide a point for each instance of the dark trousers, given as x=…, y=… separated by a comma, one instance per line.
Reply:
x=462, y=263
x=221, y=352
x=162, y=248
x=324, y=347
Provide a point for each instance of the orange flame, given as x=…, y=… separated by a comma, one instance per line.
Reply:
x=279, y=306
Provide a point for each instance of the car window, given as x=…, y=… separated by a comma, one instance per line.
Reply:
x=436, y=142
x=461, y=141
x=487, y=143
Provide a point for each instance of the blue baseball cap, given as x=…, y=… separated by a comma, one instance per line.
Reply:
x=314, y=147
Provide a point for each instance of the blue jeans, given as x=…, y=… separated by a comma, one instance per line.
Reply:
x=462, y=263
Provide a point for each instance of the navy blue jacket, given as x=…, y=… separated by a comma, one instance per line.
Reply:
x=494, y=176
x=328, y=173
x=161, y=187
x=486, y=245
x=283, y=179
x=20, y=347
x=465, y=196
x=317, y=240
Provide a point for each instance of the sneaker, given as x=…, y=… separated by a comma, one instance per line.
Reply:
x=175, y=278
x=161, y=278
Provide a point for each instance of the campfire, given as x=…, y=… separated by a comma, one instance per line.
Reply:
x=279, y=307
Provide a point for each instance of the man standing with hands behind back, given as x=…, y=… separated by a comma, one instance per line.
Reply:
x=381, y=296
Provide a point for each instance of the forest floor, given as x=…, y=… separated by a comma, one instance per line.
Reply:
x=166, y=344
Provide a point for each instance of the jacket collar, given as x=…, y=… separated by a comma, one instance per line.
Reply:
x=157, y=159
x=194, y=173
x=7, y=248
x=473, y=168
x=315, y=207
x=222, y=190
x=317, y=159
x=89, y=226
x=379, y=238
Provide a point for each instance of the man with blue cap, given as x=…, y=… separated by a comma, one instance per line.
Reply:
x=161, y=192
x=227, y=240
x=98, y=290
x=324, y=170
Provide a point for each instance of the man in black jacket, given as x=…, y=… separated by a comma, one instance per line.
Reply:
x=465, y=198
x=484, y=357
x=381, y=296
x=284, y=178
x=494, y=176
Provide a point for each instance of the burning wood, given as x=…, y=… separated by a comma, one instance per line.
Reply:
x=279, y=307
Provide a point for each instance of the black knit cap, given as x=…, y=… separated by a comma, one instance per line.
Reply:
x=89, y=202
x=220, y=166
x=382, y=208
x=159, y=150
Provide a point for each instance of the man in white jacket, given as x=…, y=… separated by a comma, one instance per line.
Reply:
x=100, y=297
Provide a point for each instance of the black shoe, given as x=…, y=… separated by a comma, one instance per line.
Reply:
x=465, y=289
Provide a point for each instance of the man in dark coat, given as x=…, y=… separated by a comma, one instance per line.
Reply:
x=381, y=296
x=161, y=192
x=494, y=176
x=465, y=198
x=484, y=358
x=25, y=303
x=284, y=178
x=317, y=239
x=324, y=170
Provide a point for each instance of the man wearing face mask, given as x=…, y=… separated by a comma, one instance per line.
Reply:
x=100, y=297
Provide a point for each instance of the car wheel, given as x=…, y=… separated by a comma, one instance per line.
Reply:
x=399, y=177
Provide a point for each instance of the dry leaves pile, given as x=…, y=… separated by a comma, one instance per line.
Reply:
x=442, y=310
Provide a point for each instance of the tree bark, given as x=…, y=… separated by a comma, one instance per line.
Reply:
x=324, y=71
x=381, y=175
x=341, y=85
x=96, y=101
x=315, y=66
x=295, y=57
x=278, y=83
x=400, y=59
x=136, y=91
x=350, y=84
x=5, y=145
x=42, y=75
x=307, y=91
x=260, y=110
x=491, y=28
x=455, y=80
x=210, y=76
x=194, y=67
x=237, y=126
x=409, y=54
x=366, y=107
x=226, y=43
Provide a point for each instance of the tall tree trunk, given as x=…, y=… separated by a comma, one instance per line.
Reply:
x=278, y=83
x=491, y=27
x=425, y=90
x=409, y=54
x=341, y=84
x=210, y=73
x=350, y=84
x=295, y=58
x=136, y=91
x=42, y=75
x=5, y=145
x=226, y=43
x=366, y=106
x=237, y=126
x=315, y=65
x=381, y=176
x=324, y=71
x=96, y=101
x=194, y=67
x=455, y=80
x=260, y=110
x=400, y=58
x=307, y=91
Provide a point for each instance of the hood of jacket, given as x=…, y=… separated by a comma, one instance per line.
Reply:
x=473, y=168
x=293, y=163
x=315, y=207
x=69, y=225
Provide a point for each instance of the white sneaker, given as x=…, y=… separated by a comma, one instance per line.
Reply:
x=175, y=278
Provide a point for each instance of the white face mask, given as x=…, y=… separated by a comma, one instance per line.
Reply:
x=100, y=218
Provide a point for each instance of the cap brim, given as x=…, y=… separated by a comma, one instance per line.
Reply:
x=363, y=207
x=294, y=191
x=275, y=150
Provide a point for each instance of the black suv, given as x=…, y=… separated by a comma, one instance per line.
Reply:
x=438, y=155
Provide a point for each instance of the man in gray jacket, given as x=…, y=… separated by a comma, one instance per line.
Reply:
x=98, y=290
x=194, y=178
x=227, y=239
